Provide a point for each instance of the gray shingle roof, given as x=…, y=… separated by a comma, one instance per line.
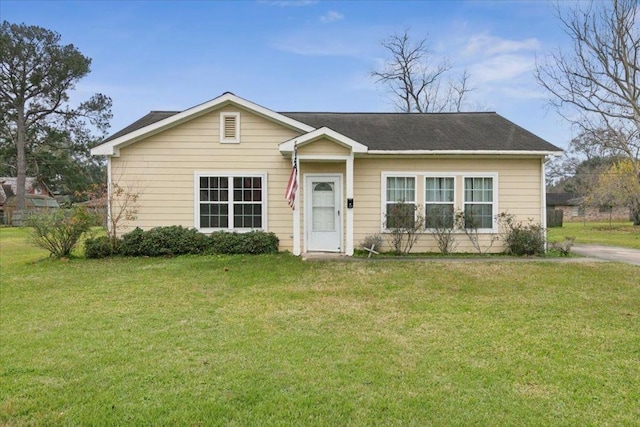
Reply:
x=440, y=131
x=563, y=199
x=149, y=119
x=400, y=131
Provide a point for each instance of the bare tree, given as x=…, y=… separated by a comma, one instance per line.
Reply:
x=596, y=85
x=419, y=81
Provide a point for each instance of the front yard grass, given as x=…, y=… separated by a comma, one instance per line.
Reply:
x=622, y=234
x=272, y=340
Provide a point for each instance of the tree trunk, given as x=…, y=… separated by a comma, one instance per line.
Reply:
x=21, y=160
x=635, y=214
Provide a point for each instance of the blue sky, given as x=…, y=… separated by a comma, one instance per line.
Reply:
x=299, y=55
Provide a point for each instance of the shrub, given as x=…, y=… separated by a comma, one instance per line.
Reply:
x=405, y=223
x=177, y=240
x=173, y=240
x=564, y=248
x=373, y=242
x=131, y=243
x=471, y=227
x=521, y=239
x=58, y=230
x=254, y=242
x=99, y=247
x=443, y=233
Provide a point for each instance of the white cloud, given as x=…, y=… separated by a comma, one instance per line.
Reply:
x=485, y=44
x=331, y=16
x=502, y=67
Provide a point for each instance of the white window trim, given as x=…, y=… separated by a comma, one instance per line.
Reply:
x=494, y=203
x=229, y=174
x=459, y=201
x=424, y=194
x=383, y=198
x=235, y=140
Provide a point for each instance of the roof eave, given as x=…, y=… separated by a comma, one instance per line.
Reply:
x=542, y=153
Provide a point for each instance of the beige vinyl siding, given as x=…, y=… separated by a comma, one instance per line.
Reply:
x=323, y=147
x=519, y=186
x=162, y=169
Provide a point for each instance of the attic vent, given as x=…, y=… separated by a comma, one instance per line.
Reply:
x=230, y=127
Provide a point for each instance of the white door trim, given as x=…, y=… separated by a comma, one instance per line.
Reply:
x=308, y=206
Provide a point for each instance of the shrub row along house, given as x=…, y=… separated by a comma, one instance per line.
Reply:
x=226, y=164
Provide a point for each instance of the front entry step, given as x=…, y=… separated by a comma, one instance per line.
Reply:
x=324, y=256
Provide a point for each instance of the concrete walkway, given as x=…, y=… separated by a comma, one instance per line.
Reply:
x=589, y=253
x=609, y=253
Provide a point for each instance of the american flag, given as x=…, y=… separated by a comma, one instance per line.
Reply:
x=292, y=186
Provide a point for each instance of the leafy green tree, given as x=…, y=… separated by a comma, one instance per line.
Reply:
x=617, y=186
x=64, y=165
x=37, y=75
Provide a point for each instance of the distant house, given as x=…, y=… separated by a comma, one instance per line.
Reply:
x=575, y=209
x=37, y=196
x=225, y=165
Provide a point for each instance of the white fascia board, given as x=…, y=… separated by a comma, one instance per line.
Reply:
x=323, y=132
x=472, y=152
x=112, y=147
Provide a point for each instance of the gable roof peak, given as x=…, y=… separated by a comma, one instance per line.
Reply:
x=155, y=122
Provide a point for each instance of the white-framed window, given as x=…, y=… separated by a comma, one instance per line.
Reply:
x=399, y=201
x=479, y=201
x=230, y=201
x=230, y=127
x=439, y=201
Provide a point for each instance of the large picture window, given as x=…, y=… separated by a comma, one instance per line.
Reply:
x=439, y=202
x=478, y=202
x=228, y=202
x=400, y=202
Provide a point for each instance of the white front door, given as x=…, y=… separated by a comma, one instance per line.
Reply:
x=323, y=194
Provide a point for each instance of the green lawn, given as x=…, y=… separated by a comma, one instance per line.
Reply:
x=272, y=340
x=617, y=234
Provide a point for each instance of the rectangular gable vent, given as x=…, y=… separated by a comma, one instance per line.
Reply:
x=230, y=127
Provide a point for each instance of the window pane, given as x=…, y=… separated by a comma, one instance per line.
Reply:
x=439, y=190
x=400, y=189
x=400, y=215
x=439, y=216
x=478, y=216
x=245, y=200
x=478, y=189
